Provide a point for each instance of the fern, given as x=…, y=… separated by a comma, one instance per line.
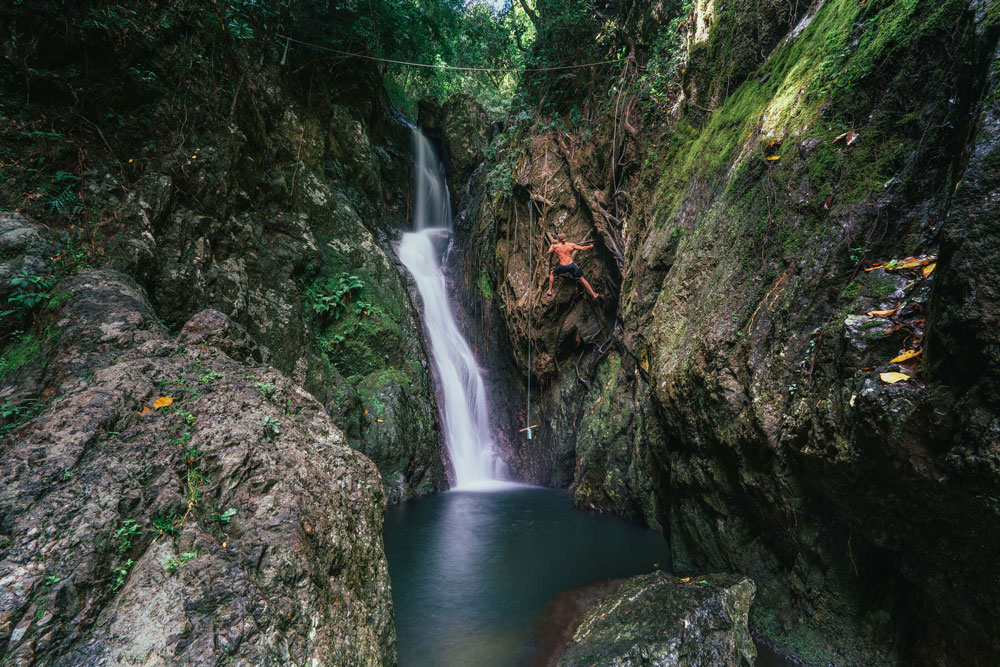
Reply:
x=61, y=196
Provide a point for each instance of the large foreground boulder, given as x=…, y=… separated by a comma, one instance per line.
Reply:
x=658, y=619
x=170, y=505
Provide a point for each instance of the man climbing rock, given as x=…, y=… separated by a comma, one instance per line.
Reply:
x=564, y=251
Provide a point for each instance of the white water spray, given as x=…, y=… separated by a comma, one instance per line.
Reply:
x=464, y=414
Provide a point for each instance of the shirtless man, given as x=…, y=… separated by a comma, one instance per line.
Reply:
x=564, y=251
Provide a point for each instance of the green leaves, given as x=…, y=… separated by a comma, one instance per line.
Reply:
x=227, y=516
x=129, y=529
x=61, y=195
x=333, y=295
x=173, y=563
x=272, y=427
x=30, y=290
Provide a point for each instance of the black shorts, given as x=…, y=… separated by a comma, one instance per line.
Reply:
x=572, y=269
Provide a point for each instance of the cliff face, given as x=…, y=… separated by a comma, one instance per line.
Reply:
x=204, y=217
x=785, y=199
x=245, y=180
x=176, y=504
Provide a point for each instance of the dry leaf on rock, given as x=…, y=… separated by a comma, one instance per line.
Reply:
x=162, y=402
x=908, y=354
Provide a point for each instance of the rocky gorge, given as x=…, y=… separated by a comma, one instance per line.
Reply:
x=214, y=377
x=781, y=232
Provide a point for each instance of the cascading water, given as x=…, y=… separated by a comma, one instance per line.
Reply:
x=464, y=413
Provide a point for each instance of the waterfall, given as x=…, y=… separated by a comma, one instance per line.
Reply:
x=464, y=415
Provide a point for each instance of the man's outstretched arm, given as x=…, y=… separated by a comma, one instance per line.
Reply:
x=583, y=247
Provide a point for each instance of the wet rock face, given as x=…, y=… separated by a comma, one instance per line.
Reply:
x=462, y=130
x=730, y=39
x=741, y=404
x=234, y=524
x=267, y=236
x=466, y=131
x=657, y=619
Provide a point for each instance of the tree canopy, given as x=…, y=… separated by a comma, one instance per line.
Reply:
x=456, y=33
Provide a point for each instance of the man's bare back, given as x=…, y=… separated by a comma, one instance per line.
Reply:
x=564, y=251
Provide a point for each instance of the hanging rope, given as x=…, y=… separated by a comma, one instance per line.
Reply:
x=531, y=252
x=445, y=66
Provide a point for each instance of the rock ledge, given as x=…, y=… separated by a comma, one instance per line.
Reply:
x=658, y=619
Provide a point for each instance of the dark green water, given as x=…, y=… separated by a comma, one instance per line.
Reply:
x=472, y=571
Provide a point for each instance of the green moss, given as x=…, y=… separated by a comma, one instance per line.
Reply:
x=381, y=378
x=879, y=288
x=852, y=291
x=484, y=285
x=19, y=354
x=844, y=65
x=359, y=345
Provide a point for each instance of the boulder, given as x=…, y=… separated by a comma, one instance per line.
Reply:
x=210, y=327
x=25, y=251
x=658, y=619
x=170, y=505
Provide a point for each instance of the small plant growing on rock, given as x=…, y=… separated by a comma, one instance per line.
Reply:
x=227, y=516
x=333, y=295
x=121, y=574
x=165, y=523
x=172, y=563
x=209, y=377
x=272, y=427
x=29, y=290
x=266, y=388
x=13, y=415
x=129, y=529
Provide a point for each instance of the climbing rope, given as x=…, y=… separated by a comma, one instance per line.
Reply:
x=348, y=54
x=531, y=287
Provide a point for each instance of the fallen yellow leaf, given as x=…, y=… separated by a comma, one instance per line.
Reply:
x=379, y=421
x=892, y=378
x=909, y=263
x=908, y=354
x=145, y=410
x=774, y=158
x=929, y=269
x=880, y=313
x=685, y=579
x=162, y=402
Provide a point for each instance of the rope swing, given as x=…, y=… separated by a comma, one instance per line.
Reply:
x=531, y=287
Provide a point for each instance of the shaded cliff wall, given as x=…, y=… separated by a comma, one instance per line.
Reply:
x=203, y=322
x=739, y=176
x=228, y=172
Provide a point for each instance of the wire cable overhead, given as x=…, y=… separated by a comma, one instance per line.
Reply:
x=443, y=66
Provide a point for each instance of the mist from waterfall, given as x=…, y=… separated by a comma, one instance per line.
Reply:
x=464, y=414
